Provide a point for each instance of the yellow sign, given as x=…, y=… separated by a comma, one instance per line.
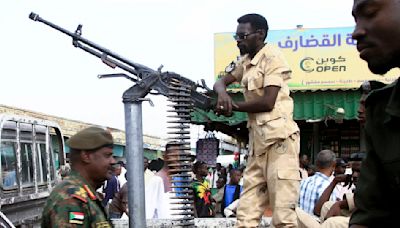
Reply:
x=319, y=58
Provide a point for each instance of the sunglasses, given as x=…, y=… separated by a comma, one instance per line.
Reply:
x=243, y=36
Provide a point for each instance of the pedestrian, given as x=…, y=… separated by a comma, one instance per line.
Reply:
x=273, y=135
x=377, y=197
x=312, y=187
x=202, y=192
x=232, y=190
x=73, y=202
x=112, y=185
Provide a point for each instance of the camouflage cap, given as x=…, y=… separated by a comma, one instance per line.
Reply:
x=90, y=138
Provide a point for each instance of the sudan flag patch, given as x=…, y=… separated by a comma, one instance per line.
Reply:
x=76, y=217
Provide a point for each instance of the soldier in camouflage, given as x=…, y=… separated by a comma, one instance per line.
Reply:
x=74, y=203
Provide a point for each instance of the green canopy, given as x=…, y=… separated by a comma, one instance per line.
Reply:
x=308, y=105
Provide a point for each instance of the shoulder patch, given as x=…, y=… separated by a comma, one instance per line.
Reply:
x=230, y=67
x=76, y=217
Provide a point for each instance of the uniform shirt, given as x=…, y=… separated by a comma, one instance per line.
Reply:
x=311, y=190
x=73, y=203
x=377, y=196
x=267, y=68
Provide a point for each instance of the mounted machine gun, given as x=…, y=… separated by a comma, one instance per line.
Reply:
x=183, y=94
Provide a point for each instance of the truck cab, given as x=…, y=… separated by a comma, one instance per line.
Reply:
x=31, y=153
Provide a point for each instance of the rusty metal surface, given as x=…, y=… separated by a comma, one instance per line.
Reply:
x=23, y=202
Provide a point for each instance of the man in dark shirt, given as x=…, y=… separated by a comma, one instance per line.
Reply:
x=119, y=204
x=377, y=195
x=112, y=185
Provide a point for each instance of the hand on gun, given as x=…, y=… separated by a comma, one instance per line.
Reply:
x=225, y=105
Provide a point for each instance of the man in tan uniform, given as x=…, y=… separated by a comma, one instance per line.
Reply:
x=272, y=174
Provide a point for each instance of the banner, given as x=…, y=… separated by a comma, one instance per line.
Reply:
x=324, y=58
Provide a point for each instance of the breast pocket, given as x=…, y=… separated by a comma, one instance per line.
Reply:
x=256, y=82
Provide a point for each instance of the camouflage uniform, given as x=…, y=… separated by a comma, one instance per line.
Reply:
x=73, y=203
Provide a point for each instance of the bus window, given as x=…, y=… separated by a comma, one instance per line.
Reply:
x=8, y=168
x=27, y=163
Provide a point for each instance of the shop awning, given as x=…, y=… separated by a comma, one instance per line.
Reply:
x=321, y=104
x=308, y=105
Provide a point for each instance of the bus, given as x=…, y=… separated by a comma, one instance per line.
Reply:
x=31, y=153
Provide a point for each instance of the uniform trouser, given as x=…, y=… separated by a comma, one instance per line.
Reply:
x=273, y=179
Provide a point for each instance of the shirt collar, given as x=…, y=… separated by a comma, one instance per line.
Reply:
x=322, y=175
x=259, y=55
x=75, y=175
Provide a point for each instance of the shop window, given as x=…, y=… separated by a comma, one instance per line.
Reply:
x=350, y=142
x=342, y=139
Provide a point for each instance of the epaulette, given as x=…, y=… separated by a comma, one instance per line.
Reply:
x=79, y=193
x=82, y=193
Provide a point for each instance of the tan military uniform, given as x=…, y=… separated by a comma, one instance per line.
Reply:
x=272, y=173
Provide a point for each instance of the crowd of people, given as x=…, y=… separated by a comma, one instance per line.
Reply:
x=326, y=197
x=276, y=177
x=214, y=196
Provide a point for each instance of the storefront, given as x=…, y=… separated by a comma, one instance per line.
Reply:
x=326, y=75
x=328, y=120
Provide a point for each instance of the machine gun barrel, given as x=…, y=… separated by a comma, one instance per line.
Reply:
x=102, y=52
x=140, y=71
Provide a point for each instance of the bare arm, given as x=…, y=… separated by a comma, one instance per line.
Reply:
x=225, y=105
x=336, y=208
x=224, y=102
x=327, y=193
x=264, y=103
